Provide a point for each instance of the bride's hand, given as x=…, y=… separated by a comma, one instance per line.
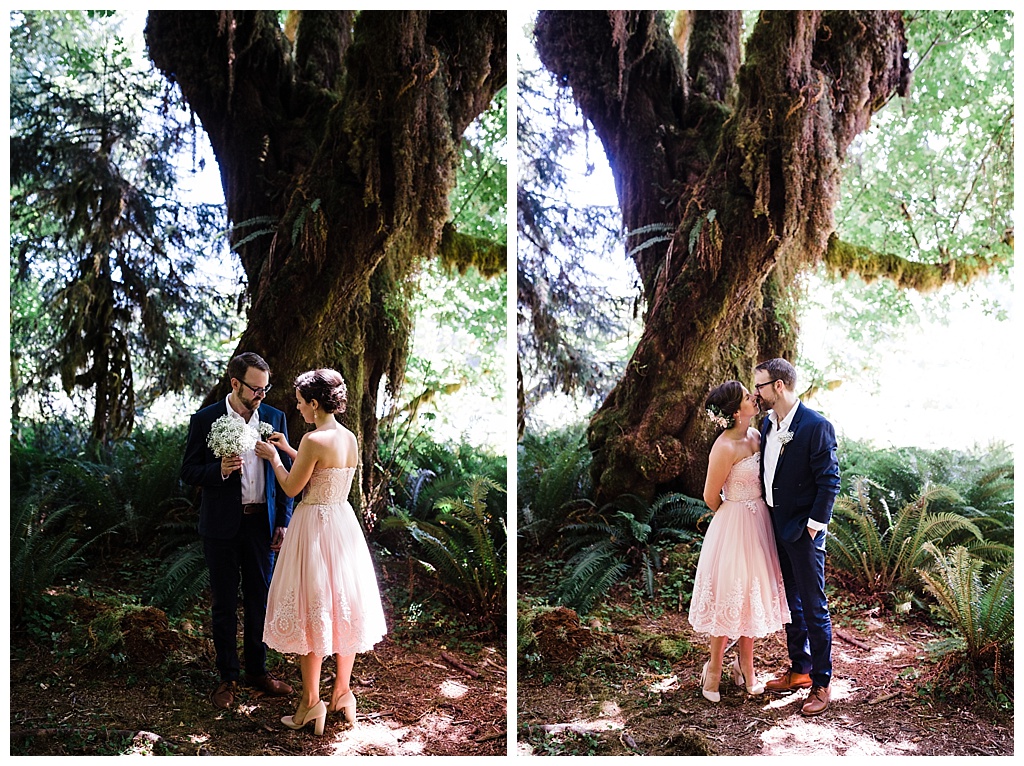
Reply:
x=277, y=439
x=266, y=451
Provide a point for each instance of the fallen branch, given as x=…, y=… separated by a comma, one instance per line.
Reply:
x=596, y=727
x=851, y=640
x=884, y=697
x=489, y=737
x=452, y=661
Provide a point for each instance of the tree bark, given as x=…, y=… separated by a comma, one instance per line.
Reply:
x=740, y=166
x=336, y=135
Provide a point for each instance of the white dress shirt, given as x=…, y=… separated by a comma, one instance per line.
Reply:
x=253, y=480
x=773, y=451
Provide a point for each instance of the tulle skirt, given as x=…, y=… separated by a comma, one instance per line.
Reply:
x=323, y=595
x=738, y=589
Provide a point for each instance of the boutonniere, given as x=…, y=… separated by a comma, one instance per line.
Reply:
x=785, y=437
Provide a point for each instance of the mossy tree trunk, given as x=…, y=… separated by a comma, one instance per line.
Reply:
x=336, y=135
x=727, y=177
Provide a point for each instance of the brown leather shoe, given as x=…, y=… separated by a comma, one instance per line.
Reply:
x=270, y=685
x=223, y=695
x=788, y=682
x=817, y=701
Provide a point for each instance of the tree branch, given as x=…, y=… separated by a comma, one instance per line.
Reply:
x=842, y=259
x=458, y=250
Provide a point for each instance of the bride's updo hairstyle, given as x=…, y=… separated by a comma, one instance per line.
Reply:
x=326, y=386
x=723, y=402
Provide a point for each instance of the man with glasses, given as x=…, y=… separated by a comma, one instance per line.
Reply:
x=800, y=477
x=243, y=515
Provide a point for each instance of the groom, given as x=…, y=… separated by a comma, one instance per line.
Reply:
x=242, y=520
x=800, y=478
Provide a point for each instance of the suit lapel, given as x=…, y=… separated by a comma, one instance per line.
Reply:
x=793, y=425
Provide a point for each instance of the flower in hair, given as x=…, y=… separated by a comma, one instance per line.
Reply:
x=719, y=418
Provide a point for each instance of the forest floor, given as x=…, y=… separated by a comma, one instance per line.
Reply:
x=440, y=693
x=633, y=689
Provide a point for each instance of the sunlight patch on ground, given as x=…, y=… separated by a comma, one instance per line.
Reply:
x=380, y=738
x=805, y=736
x=841, y=689
x=665, y=684
x=198, y=739
x=453, y=689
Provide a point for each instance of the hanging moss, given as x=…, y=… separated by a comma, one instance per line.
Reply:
x=460, y=251
x=843, y=259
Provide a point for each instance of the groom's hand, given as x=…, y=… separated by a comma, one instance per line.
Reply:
x=278, y=539
x=229, y=465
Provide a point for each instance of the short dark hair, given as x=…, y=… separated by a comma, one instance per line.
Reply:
x=238, y=366
x=326, y=386
x=780, y=369
x=726, y=398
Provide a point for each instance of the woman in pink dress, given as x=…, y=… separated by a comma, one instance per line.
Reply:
x=738, y=590
x=323, y=596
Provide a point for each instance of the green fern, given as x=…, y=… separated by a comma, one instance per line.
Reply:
x=43, y=551
x=625, y=537
x=550, y=485
x=880, y=549
x=465, y=547
x=980, y=610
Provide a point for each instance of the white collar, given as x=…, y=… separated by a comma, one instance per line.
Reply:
x=233, y=412
x=784, y=425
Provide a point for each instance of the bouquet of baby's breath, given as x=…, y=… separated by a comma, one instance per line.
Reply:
x=231, y=436
x=266, y=430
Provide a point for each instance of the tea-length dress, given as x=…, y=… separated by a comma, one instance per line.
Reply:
x=323, y=595
x=738, y=589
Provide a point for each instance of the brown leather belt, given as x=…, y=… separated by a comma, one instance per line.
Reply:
x=253, y=508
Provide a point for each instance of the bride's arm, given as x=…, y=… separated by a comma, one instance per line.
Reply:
x=719, y=464
x=304, y=461
x=278, y=440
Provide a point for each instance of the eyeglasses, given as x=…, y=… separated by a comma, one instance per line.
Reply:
x=258, y=391
x=757, y=386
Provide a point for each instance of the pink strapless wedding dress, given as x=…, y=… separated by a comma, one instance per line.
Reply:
x=323, y=595
x=738, y=588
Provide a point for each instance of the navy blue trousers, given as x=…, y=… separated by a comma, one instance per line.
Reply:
x=809, y=635
x=245, y=559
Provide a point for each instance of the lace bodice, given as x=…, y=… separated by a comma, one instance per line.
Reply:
x=744, y=480
x=328, y=486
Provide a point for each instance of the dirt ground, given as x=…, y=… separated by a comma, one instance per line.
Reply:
x=647, y=706
x=414, y=698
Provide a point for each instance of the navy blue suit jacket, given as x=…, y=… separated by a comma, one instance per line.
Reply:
x=220, y=509
x=807, y=476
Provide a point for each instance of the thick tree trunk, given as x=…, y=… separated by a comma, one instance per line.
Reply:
x=741, y=166
x=336, y=136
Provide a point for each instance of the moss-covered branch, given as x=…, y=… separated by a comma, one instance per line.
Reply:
x=460, y=251
x=843, y=259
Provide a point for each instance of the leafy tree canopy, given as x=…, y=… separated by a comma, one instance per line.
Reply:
x=107, y=298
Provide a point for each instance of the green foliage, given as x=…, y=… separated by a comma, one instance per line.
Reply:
x=568, y=742
x=574, y=330
x=184, y=576
x=881, y=549
x=978, y=607
x=422, y=470
x=622, y=538
x=980, y=480
x=465, y=547
x=106, y=296
x=43, y=550
x=553, y=476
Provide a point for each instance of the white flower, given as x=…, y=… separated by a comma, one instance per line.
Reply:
x=266, y=430
x=231, y=436
x=785, y=437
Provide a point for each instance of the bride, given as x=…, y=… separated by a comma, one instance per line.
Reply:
x=323, y=596
x=738, y=590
